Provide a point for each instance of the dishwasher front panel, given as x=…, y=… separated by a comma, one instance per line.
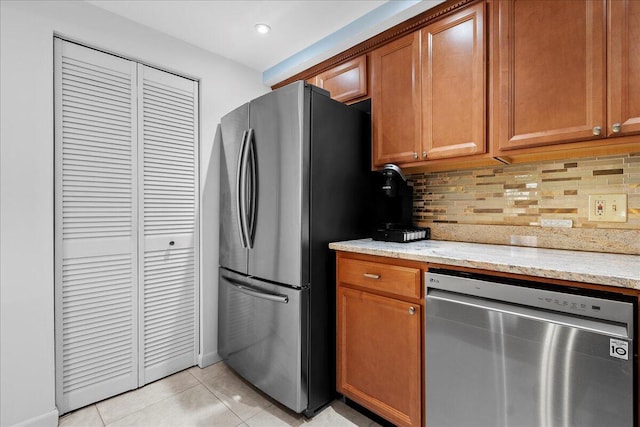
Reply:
x=491, y=363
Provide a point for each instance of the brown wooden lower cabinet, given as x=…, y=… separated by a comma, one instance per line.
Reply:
x=379, y=341
x=380, y=326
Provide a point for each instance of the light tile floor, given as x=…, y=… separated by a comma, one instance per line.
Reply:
x=214, y=396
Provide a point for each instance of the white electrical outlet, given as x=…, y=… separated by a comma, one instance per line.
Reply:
x=608, y=207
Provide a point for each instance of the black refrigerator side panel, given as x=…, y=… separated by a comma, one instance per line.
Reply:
x=339, y=180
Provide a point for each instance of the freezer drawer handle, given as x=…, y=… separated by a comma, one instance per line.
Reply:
x=256, y=293
x=371, y=276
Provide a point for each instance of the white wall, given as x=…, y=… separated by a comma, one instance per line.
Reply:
x=27, y=393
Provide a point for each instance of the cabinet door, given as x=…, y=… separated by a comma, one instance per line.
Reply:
x=453, y=85
x=346, y=81
x=550, y=76
x=168, y=163
x=379, y=342
x=624, y=68
x=95, y=226
x=396, y=108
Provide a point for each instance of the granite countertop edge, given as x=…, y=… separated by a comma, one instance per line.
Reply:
x=588, y=267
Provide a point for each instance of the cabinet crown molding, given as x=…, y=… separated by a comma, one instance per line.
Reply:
x=397, y=31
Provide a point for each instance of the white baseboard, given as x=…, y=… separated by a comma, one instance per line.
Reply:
x=205, y=360
x=50, y=419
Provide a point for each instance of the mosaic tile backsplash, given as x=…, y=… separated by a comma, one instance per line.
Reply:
x=523, y=194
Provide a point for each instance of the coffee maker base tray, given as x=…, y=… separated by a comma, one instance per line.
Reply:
x=402, y=235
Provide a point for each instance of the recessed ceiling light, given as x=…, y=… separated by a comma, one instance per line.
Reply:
x=262, y=28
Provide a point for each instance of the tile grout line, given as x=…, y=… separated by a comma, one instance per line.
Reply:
x=221, y=401
x=243, y=420
x=100, y=415
x=152, y=404
x=217, y=398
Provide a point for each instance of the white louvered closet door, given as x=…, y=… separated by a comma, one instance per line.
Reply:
x=125, y=224
x=168, y=204
x=96, y=226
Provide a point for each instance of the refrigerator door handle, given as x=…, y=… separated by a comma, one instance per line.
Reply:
x=252, y=214
x=240, y=177
x=245, y=190
x=240, y=286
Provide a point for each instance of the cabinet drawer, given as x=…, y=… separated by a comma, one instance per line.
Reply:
x=387, y=278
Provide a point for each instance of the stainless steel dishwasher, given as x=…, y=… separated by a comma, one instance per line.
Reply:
x=512, y=354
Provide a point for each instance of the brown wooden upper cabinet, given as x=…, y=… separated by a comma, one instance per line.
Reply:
x=552, y=82
x=428, y=98
x=347, y=81
x=395, y=101
x=623, y=82
x=453, y=85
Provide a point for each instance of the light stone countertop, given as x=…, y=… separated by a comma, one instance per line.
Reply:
x=589, y=267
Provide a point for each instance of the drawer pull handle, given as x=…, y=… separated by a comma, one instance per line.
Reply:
x=372, y=276
x=412, y=311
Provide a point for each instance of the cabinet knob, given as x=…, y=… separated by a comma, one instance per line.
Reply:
x=424, y=154
x=415, y=155
x=371, y=276
x=171, y=243
x=597, y=130
x=616, y=127
x=412, y=310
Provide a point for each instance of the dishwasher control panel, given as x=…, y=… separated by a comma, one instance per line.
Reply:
x=519, y=293
x=555, y=303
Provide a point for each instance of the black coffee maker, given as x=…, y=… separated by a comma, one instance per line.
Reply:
x=393, y=207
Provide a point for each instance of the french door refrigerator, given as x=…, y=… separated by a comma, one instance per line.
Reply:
x=294, y=177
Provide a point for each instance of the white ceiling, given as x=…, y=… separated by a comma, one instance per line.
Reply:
x=226, y=27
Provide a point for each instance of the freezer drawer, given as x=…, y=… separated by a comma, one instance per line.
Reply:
x=263, y=336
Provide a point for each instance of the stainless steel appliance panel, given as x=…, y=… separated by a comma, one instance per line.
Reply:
x=231, y=137
x=495, y=363
x=262, y=336
x=281, y=143
x=277, y=241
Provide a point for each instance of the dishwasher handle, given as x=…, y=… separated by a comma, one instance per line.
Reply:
x=614, y=329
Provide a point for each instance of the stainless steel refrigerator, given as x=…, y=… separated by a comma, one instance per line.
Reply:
x=294, y=176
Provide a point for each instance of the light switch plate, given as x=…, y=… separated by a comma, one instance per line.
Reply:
x=608, y=207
